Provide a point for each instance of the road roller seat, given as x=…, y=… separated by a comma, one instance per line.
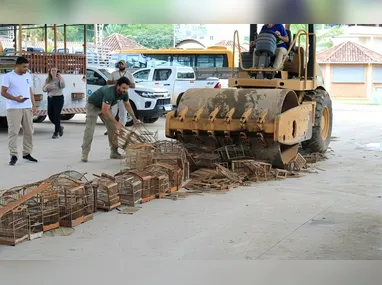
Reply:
x=266, y=43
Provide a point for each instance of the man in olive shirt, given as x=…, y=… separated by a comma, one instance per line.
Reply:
x=99, y=104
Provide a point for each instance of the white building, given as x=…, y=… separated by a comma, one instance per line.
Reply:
x=368, y=36
x=210, y=34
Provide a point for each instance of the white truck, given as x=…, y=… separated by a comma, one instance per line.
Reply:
x=75, y=91
x=175, y=79
x=148, y=103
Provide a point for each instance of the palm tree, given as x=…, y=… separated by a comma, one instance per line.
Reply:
x=324, y=36
x=115, y=29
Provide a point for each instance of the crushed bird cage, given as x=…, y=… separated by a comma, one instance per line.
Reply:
x=228, y=173
x=107, y=192
x=129, y=188
x=261, y=171
x=15, y=217
x=148, y=183
x=298, y=163
x=138, y=156
x=74, y=201
x=162, y=181
x=138, y=134
x=239, y=167
x=233, y=152
x=314, y=157
x=200, y=157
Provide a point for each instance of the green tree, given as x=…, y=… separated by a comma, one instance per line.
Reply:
x=324, y=36
x=148, y=35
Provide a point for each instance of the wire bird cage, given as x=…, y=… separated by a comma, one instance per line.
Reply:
x=162, y=181
x=129, y=188
x=107, y=193
x=138, y=134
x=76, y=198
x=148, y=183
x=138, y=156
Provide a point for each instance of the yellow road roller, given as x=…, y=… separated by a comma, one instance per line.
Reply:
x=272, y=112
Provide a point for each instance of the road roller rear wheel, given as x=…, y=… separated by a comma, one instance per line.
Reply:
x=322, y=130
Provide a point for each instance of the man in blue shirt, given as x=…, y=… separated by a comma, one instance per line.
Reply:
x=282, y=40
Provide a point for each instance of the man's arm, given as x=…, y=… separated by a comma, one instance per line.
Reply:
x=4, y=89
x=32, y=99
x=130, y=110
x=282, y=34
x=5, y=94
x=106, y=112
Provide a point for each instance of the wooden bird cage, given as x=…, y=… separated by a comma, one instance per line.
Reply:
x=138, y=156
x=129, y=188
x=21, y=215
x=148, y=183
x=162, y=181
x=107, y=192
x=72, y=197
x=174, y=173
x=50, y=210
x=77, y=178
x=170, y=152
x=14, y=226
x=138, y=134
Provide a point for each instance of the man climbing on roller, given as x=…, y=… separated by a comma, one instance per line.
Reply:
x=282, y=40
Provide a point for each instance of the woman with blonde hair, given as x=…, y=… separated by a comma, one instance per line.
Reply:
x=54, y=86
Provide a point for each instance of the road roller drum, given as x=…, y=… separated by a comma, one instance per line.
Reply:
x=270, y=122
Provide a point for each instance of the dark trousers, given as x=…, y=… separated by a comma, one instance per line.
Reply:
x=55, y=104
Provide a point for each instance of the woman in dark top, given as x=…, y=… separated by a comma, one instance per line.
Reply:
x=54, y=85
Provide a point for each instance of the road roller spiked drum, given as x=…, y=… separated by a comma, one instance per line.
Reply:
x=270, y=122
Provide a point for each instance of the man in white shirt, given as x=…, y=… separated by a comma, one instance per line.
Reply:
x=17, y=89
x=121, y=72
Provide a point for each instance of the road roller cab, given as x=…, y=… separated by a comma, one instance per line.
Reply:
x=272, y=119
